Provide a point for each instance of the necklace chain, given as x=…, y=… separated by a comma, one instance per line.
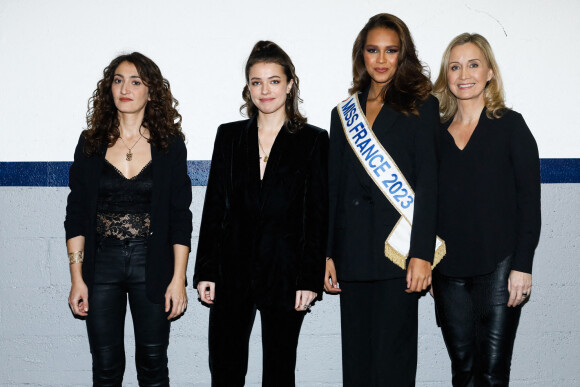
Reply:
x=263, y=151
x=129, y=155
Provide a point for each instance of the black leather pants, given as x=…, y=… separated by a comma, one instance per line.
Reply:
x=478, y=327
x=120, y=272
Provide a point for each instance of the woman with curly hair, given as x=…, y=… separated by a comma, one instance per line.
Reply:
x=128, y=223
x=263, y=229
x=489, y=214
x=382, y=192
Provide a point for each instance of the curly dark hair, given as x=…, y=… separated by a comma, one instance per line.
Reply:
x=161, y=116
x=411, y=82
x=269, y=52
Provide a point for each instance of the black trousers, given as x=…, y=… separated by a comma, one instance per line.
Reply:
x=379, y=334
x=230, y=326
x=478, y=327
x=120, y=272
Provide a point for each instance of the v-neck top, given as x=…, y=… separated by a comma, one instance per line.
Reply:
x=124, y=205
x=489, y=196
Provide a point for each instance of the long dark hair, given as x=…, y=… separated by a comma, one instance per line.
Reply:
x=161, y=116
x=269, y=52
x=410, y=84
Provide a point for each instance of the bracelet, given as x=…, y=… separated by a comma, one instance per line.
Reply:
x=328, y=259
x=76, y=257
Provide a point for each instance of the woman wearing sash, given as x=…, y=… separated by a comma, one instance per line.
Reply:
x=128, y=223
x=264, y=224
x=489, y=214
x=380, y=282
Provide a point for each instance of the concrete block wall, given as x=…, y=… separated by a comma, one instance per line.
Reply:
x=41, y=344
x=53, y=53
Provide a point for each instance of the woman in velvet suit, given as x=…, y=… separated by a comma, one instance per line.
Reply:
x=488, y=213
x=379, y=298
x=264, y=225
x=128, y=223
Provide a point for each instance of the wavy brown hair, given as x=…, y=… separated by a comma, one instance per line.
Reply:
x=161, y=116
x=269, y=52
x=410, y=83
x=493, y=93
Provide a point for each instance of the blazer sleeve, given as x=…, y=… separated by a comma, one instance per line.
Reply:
x=76, y=218
x=526, y=163
x=315, y=218
x=214, y=207
x=335, y=155
x=180, y=226
x=425, y=212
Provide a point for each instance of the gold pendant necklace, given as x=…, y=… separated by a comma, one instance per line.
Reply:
x=263, y=151
x=129, y=155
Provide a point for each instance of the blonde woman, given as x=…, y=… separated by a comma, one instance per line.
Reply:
x=488, y=214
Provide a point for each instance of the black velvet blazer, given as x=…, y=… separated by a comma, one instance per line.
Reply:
x=170, y=214
x=265, y=239
x=361, y=217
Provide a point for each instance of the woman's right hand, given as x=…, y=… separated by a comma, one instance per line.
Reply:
x=78, y=299
x=330, y=281
x=206, y=291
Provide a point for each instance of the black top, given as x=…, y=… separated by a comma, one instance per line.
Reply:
x=361, y=217
x=264, y=239
x=124, y=205
x=489, y=197
x=170, y=214
x=121, y=195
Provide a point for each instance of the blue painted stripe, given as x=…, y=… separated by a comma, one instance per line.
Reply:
x=55, y=173
x=560, y=170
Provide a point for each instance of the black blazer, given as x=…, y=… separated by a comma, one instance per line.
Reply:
x=170, y=214
x=361, y=217
x=265, y=239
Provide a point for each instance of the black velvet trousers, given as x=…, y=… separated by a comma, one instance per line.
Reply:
x=379, y=334
x=478, y=327
x=230, y=326
x=120, y=272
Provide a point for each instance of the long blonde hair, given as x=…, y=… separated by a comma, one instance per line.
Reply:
x=493, y=93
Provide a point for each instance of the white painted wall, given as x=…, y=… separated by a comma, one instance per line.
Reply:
x=52, y=54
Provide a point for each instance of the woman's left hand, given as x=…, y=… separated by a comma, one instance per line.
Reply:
x=519, y=286
x=303, y=300
x=175, y=299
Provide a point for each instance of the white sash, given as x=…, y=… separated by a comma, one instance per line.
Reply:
x=388, y=178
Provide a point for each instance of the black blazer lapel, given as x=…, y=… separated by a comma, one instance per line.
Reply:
x=252, y=162
x=94, y=178
x=386, y=118
x=277, y=156
x=159, y=171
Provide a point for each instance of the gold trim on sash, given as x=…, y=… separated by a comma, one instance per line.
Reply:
x=398, y=241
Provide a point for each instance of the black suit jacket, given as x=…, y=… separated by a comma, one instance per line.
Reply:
x=170, y=214
x=361, y=217
x=265, y=239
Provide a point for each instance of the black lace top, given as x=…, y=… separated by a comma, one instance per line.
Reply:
x=124, y=205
